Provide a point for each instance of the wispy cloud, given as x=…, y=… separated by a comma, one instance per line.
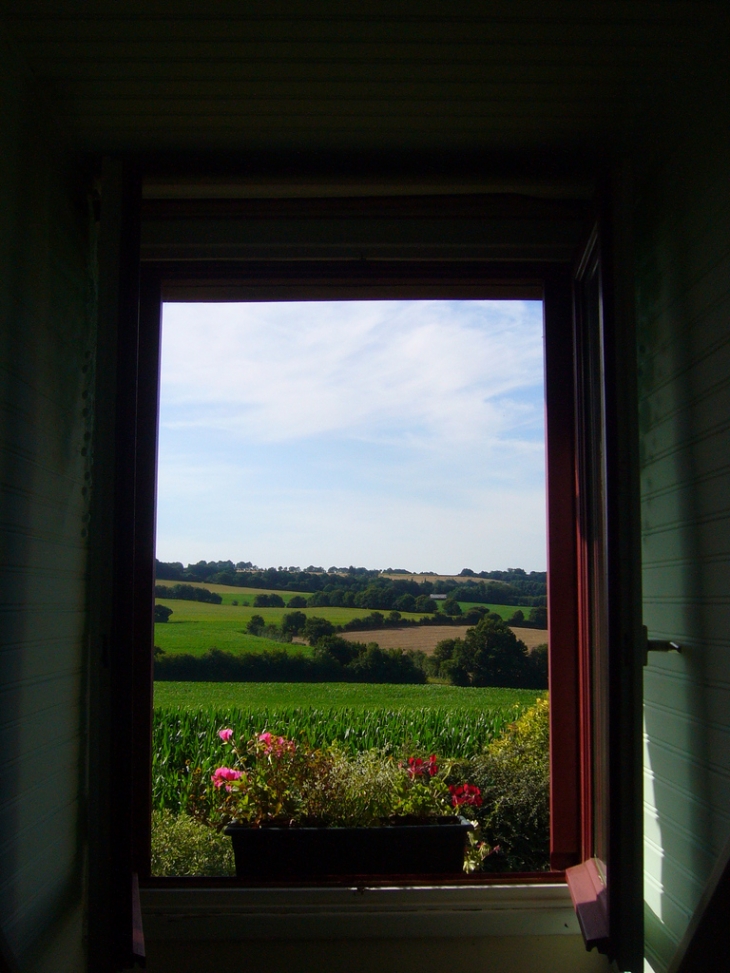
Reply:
x=345, y=413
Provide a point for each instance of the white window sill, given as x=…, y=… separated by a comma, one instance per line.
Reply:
x=350, y=913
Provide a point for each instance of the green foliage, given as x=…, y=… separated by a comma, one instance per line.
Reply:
x=369, y=663
x=186, y=740
x=539, y=617
x=451, y=607
x=490, y=654
x=293, y=623
x=162, y=613
x=256, y=625
x=316, y=628
x=183, y=846
x=268, y=601
x=514, y=778
x=297, y=602
x=270, y=778
x=187, y=592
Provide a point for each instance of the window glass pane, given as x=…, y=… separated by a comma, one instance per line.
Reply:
x=351, y=508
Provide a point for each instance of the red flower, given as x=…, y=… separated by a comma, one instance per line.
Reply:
x=432, y=765
x=465, y=794
x=415, y=766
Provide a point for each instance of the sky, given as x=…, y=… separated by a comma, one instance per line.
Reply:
x=402, y=434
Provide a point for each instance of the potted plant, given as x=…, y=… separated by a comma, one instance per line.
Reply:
x=294, y=812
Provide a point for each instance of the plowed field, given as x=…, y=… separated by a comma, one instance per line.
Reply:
x=426, y=637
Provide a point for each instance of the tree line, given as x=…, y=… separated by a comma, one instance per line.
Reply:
x=489, y=655
x=361, y=588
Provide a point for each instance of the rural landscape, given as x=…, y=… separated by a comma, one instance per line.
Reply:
x=383, y=672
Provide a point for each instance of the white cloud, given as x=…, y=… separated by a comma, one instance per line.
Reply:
x=354, y=428
x=389, y=371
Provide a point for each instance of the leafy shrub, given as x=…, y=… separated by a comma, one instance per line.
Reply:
x=183, y=846
x=514, y=778
x=256, y=625
x=187, y=592
x=370, y=664
x=268, y=601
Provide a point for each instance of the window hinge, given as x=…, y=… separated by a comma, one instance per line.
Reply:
x=657, y=645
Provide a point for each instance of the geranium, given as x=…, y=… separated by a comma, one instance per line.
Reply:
x=415, y=767
x=277, y=746
x=225, y=735
x=223, y=775
x=465, y=794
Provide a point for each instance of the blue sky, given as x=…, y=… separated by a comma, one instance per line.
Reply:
x=382, y=433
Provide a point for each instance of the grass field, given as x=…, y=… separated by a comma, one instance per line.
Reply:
x=196, y=626
x=277, y=695
x=244, y=596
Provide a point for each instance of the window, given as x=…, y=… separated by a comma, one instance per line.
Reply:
x=399, y=269
x=380, y=433
x=169, y=283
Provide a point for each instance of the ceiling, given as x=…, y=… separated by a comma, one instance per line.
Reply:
x=445, y=84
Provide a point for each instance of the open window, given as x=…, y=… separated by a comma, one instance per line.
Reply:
x=210, y=251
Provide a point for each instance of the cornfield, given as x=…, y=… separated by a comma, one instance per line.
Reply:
x=184, y=740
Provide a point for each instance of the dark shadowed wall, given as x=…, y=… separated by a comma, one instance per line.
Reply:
x=46, y=351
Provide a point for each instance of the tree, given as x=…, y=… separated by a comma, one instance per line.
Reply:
x=316, y=628
x=539, y=617
x=406, y=603
x=162, y=613
x=517, y=618
x=426, y=604
x=452, y=607
x=494, y=655
x=297, y=602
x=256, y=625
x=293, y=623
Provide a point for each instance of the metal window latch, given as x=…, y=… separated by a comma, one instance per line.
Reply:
x=658, y=645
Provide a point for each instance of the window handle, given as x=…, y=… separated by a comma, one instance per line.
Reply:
x=658, y=645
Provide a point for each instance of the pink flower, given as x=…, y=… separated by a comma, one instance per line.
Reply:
x=268, y=741
x=225, y=735
x=278, y=746
x=222, y=775
x=465, y=794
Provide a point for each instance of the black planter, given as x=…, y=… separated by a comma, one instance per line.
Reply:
x=278, y=853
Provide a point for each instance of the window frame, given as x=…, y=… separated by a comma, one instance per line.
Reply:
x=133, y=301
x=161, y=282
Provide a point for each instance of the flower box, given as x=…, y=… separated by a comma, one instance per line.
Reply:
x=273, y=853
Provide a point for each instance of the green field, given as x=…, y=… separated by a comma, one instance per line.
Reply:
x=363, y=696
x=195, y=626
x=244, y=596
x=446, y=720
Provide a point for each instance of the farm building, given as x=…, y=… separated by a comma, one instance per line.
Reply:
x=576, y=151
